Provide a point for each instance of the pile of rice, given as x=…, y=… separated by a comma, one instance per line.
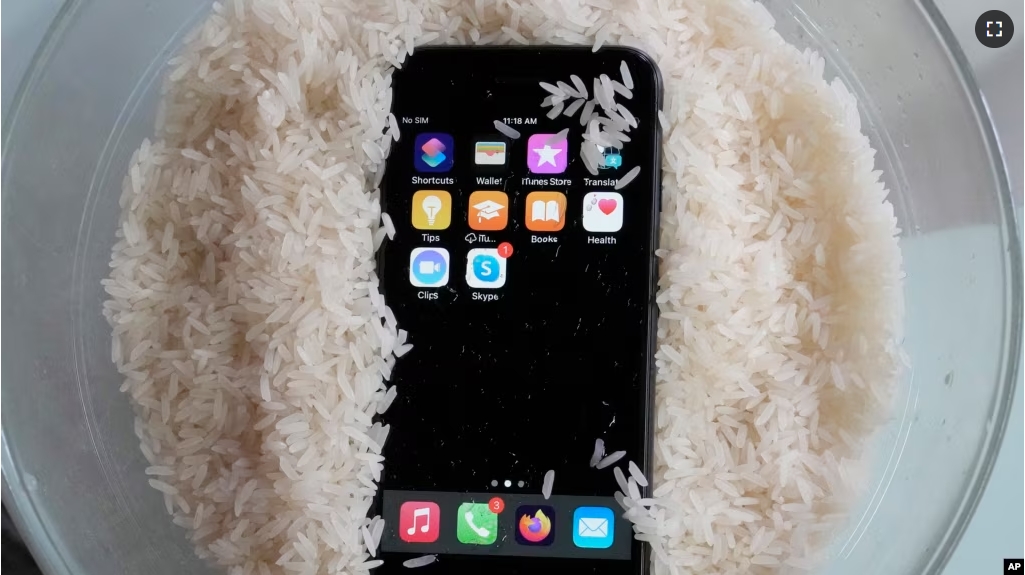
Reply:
x=256, y=346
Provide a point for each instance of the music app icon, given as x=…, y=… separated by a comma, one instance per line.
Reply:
x=419, y=522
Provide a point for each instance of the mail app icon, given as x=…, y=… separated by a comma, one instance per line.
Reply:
x=594, y=527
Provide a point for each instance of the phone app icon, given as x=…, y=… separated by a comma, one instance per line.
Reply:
x=432, y=210
x=476, y=524
x=428, y=267
x=419, y=522
x=545, y=156
x=489, y=211
x=611, y=158
x=535, y=525
x=546, y=211
x=489, y=153
x=434, y=152
x=593, y=527
x=603, y=212
x=485, y=269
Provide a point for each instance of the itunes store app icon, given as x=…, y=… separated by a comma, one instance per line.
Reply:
x=419, y=522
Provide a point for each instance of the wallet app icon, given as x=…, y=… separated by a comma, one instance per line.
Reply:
x=593, y=527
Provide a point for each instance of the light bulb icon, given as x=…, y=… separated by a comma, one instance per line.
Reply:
x=432, y=209
x=431, y=206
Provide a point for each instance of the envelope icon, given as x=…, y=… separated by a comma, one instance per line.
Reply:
x=593, y=527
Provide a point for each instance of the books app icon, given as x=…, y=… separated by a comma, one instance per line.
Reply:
x=546, y=211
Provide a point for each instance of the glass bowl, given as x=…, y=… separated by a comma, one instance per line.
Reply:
x=73, y=471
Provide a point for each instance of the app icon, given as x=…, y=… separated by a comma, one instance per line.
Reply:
x=611, y=158
x=490, y=153
x=428, y=267
x=593, y=527
x=535, y=525
x=419, y=521
x=433, y=152
x=489, y=211
x=603, y=212
x=432, y=210
x=476, y=524
x=485, y=269
x=546, y=211
x=545, y=156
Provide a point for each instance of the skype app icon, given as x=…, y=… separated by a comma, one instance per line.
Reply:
x=485, y=269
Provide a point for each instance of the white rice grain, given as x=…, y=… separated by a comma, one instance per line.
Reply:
x=599, y=452
x=421, y=561
x=624, y=72
x=628, y=177
x=506, y=130
x=546, y=486
x=389, y=226
x=637, y=475
x=610, y=459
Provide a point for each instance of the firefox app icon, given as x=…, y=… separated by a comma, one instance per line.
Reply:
x=535, y=525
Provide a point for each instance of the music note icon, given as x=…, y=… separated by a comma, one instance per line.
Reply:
x=417, y=513
x=419, y=522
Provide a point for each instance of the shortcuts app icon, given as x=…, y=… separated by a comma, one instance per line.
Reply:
x=485, y=269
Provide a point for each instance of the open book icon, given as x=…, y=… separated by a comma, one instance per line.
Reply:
x=542, y=211
x=546, y=211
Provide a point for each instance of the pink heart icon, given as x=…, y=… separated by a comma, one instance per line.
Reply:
x=607, y=206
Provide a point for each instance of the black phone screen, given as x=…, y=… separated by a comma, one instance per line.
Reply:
x=526, y=285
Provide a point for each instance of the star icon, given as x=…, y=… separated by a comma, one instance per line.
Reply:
x=546, y=155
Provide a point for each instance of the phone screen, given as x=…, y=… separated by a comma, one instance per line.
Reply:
x=526, y=285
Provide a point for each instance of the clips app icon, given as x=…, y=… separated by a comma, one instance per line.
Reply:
x=476, y=524
x=485, y=269
x=535, y=525
x=428, y=267
x=434, y=152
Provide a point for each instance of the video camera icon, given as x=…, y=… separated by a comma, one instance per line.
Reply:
x=428, y=267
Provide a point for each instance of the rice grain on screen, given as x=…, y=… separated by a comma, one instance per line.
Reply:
x=254, y=342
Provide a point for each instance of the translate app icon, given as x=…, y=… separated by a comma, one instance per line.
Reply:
x=434, y=152
x=485, y=269
x=611, y=158
x=428, y=267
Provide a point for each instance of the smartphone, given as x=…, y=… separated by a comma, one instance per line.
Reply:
x=526, y=285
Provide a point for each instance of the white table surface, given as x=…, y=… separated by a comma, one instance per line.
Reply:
x=998, y=529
